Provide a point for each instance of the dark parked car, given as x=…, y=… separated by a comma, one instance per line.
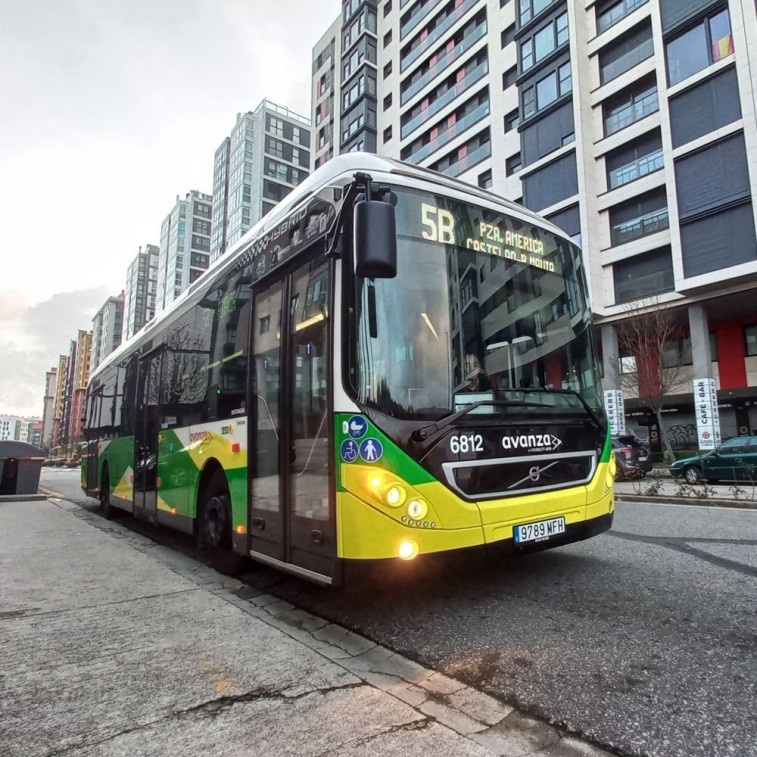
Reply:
x=631, y=456
x=734, y=460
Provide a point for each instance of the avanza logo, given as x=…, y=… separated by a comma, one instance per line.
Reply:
x=532, y=442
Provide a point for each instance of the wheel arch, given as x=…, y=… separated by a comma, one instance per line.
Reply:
x=206, y=480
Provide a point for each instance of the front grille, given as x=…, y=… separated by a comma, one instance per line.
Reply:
x=508, y=476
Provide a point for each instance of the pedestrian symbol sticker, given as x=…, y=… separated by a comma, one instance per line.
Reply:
x=349, y=450
x=371, y=450
x=356, y=426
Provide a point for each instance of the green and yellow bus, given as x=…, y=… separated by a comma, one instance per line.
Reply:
x=391, y=363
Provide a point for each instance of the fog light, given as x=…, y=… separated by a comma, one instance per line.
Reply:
x=374, y=482
x=408, y=550
x=417, y=509
x=395, y=496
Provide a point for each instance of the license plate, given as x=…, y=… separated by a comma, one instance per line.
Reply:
x=539, y=531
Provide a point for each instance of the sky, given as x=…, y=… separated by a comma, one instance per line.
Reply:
x=109, y=109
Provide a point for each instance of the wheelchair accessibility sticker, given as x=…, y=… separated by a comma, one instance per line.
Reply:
x=349, y=450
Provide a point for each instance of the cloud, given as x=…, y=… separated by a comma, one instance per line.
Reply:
x=32, y=337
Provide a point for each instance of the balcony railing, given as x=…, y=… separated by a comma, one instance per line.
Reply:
x=444, y=60
x=631, y=113
x=616, y=13
x=473, y=76
x=636, y=169
x=470, y=160
x=449, y=134
x=436, y=34
x=640, y=227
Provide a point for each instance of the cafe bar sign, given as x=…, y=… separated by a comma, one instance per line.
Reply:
x=706, y=409
x=615, y=411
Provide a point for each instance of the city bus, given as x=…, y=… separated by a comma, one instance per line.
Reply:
x=391, y=363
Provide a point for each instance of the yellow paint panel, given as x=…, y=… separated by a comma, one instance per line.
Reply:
x=216, y=446
x=125, y=488
x=367, y=534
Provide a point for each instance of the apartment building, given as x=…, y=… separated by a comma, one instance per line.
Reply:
x=140, y=294
x=264, y=158
x=107, y=328
x=631, y=124
x=184, y=246
x=48, y=405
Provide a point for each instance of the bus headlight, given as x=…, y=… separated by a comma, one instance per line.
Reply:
x=417, y=509
x=408, y=550
x=395, y=496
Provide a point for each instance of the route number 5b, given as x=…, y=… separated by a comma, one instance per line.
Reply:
x=438, y=225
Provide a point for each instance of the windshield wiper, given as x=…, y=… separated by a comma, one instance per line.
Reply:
x=423, y=433
x=571, y=392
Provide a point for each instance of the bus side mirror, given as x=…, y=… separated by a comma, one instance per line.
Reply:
x=375, y=240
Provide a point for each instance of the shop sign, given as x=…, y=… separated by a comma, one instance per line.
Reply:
x=615, y=410
x=706, y=409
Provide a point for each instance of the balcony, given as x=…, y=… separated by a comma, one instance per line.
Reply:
x=445, y=59
x=470, y=160
x=636, y=169
x=449, y=134
x=436, y=34
x=640, y=227
x=634, y=111
x=445, y=99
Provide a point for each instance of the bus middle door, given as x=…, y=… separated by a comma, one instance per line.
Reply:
x=292, y=511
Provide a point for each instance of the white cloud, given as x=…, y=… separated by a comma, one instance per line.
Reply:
x=111, y=109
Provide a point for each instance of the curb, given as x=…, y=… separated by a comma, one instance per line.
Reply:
x=695, y=501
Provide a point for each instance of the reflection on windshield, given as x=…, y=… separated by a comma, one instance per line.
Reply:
x=460, y=325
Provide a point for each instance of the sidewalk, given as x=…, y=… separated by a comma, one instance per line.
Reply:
x=113, y=645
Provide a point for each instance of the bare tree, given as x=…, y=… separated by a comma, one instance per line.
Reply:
x=650, y=333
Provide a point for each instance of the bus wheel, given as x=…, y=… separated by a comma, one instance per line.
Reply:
x=214, y=531
x=106, y=508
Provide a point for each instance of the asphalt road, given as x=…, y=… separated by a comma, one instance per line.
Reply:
x=642, y=640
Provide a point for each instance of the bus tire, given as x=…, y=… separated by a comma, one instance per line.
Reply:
x=214, y=527
x=106, y=507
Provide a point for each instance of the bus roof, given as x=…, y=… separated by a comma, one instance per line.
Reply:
x=336, y=169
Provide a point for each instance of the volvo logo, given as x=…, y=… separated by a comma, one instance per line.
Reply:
x=534, y=473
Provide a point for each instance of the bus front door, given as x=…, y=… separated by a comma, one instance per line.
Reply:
x=292, y=516
x=146, y=437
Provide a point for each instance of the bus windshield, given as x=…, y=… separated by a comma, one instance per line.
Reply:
x=486, y=309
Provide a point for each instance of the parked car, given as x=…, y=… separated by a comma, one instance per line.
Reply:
x=734, y=460
x=631, y=456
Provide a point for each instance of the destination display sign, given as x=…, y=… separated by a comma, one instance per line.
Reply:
x=299, y=230
x=480, y=230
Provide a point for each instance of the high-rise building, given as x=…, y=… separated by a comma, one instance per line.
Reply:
x=325, y=95
x=60, y=394
x=48, y=412
x=184, y=246
x=141, y=290
x=107, y=329
x=631, y=124
x=264, y=158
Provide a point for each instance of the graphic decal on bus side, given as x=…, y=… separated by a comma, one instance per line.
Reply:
x=184, y=452
x=118, y=456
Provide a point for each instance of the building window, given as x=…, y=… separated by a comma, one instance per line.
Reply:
x=531, y=8
x=387, y=38
x=643, y=276
x=633, y=161
x=387, y=8
x=625, y=53
x=511, y=120
x=509, y=77
x=512, y=164
x=507, y=35
x=639, y=217
x=750, y=340
x=388, y=101
x=387, y=69
x=387, y=134
x=485, y=179
x=608, y=14
x=545, y=41
x=630, y=107
x=547, y=90
x=697, y=48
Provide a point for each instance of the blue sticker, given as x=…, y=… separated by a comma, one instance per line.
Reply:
x=371, y=450
x=357, y=426
x=349, y=450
